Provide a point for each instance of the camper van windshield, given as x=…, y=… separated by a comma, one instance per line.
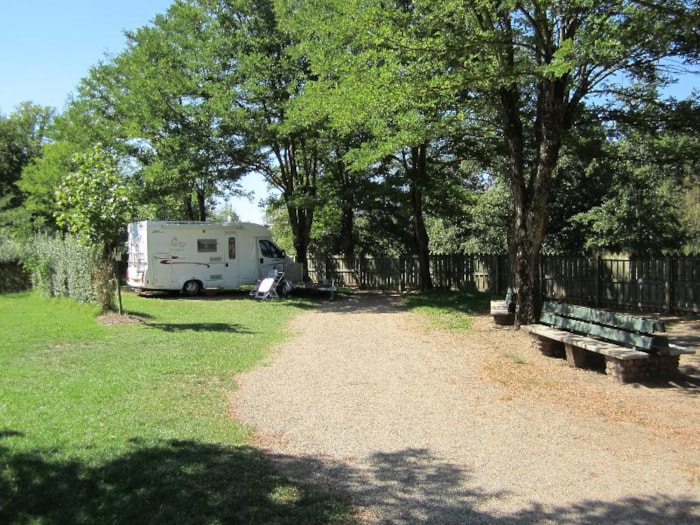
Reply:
x=270, y=250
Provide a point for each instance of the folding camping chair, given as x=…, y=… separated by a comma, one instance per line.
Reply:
x=267, y=288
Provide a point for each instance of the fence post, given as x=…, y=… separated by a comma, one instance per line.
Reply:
x=598, y=262
x=497, y=273
x=668, y=299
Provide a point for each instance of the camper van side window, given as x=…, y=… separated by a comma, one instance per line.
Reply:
x=206, y=245
x=270, y=250
x=231, y=247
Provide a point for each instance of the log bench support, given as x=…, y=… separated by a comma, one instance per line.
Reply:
x=652, y=357
x=500, y=313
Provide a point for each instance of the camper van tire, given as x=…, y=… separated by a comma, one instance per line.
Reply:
x=192, y=288
x=284, y=289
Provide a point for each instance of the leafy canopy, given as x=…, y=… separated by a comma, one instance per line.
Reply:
x=94, y=202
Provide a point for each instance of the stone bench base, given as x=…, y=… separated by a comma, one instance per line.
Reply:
x=623, y=365
x=500, y=313
x=657, y=367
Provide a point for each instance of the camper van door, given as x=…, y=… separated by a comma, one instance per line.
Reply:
x=231, y=276
x=271, y=257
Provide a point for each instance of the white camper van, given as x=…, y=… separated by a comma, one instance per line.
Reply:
x=193, y=256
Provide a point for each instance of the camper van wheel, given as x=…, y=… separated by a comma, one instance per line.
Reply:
x=192, y=288
x=284, y=289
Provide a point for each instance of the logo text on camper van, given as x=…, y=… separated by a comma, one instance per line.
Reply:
x=174, y=260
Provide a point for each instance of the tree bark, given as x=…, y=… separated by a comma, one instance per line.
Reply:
x=300, y=221
x=531, y=193
x=347, y=232
x=418, y=172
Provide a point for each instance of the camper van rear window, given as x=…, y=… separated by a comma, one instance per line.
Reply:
x=206, y=245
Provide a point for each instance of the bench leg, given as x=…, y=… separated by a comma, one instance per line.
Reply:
x=503, y=319
x=548, y=347
x=582, y=358
x=577, y=357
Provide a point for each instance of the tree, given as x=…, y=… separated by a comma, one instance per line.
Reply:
x=651, y=165
x=39, y=181
x=155, y=103
x=263, y=78
x=22, y=134
x=534, y=62
x=371, y=78
x=94, y=201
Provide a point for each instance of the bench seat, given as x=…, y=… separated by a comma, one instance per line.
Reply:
x=679, y=350
x=587, y=343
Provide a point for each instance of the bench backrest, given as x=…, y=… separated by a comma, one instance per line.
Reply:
x=637, y=332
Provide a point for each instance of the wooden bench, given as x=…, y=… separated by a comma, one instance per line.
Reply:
x=502, y=315
x=629, y=348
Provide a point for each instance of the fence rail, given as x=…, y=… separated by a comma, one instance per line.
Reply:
x=665, y=284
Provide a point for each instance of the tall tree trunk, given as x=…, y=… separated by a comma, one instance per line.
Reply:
x=300, y=221
x=420, y=236
x=531, y=193
x=189, y=210
x=347, y=232
x=202, y=205
x=418, y=170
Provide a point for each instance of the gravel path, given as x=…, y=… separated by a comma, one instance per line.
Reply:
x=414, y=425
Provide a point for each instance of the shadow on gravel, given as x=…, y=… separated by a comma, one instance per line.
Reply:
x=365, y=303
x=413, y=487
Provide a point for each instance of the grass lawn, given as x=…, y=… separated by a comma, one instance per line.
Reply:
x=129, y=423
x=449, y=310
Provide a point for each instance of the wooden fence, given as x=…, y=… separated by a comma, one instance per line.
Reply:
x=666, y=284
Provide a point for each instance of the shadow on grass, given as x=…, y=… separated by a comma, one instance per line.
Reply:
x=296, y=300
x=200, y=327
x=182, y=482
x=175, y=483
x=458, y=302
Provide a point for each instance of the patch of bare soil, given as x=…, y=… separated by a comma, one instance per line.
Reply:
x=114, y=319
x=668, y=409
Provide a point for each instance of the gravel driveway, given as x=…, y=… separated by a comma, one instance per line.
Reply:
x=414, y=425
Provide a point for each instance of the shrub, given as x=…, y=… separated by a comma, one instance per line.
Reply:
x=63, y=267
x=13, y=276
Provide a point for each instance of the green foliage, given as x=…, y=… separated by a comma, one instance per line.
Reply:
x=13, y=277
x=690, y=218
x=22, y=134
x=635, y=188
x=129, y=422
x=637, y=216
x=39, y=181
x=61, y=266
x=363, y=114
x=95, y=202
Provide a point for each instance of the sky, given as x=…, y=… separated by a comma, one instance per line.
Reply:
x=48, y=46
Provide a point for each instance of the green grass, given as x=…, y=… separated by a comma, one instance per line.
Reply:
x=449, y=310
x=129, y=423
